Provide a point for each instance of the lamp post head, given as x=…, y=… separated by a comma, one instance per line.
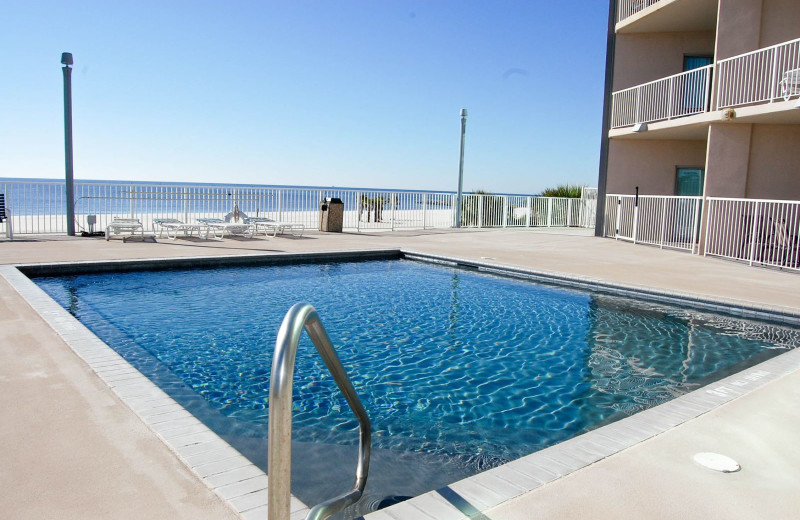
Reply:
x=463, y=112
x=66, y=58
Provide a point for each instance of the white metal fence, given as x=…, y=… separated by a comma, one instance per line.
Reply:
x=671, y=222
x=38, y=207
x=679, y=95
x=756, y=231
x=481, y=210
x=628, y=8
x=764, y=75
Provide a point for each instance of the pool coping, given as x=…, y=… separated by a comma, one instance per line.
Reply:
x=243, y=485
x=740, y=308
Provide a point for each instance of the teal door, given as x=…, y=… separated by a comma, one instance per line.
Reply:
x=689, y=182
x=694, y=86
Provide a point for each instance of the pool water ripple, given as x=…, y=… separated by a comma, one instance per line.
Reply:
x=467, y=368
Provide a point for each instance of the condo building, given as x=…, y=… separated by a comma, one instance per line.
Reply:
x=702, y=120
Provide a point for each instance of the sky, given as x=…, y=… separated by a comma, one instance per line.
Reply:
x=322, y=93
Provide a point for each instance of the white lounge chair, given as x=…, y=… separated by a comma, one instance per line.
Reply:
x=234, y=223
x=175, y=226
x=790, y=84
x=124, y=225
x=276, y=226
x=217, y=228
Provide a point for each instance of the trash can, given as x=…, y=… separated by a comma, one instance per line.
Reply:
x=331, y=215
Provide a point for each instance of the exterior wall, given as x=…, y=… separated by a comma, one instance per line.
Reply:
x=741, y=160
x=650, y=164
x=780, y=21
x=774, y=171
x=640, y=58
x=747, y=25
x=738, y=27
x=728, y=160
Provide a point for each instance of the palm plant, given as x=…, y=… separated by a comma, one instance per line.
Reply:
x=570, y=191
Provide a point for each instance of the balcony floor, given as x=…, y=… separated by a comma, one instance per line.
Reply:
x=695, y=127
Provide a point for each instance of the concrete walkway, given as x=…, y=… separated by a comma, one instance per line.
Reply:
x=71, y=449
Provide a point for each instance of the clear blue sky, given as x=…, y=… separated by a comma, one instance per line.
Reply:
x=344, y=93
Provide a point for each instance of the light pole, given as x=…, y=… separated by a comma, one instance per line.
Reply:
x=66, y=59
x=461, y=167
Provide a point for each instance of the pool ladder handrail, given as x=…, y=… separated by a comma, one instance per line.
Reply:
x=304, y=316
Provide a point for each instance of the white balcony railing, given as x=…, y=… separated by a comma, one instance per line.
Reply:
x=680, y=95
x=628, y=8
x=760, y=76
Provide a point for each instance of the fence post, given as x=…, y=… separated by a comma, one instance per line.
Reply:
x=636, y=215
x=773, y=83
x=186, y=204
x=638, y=98
x=695, y=221
x=549, y=211
x=394, y=202
x=9, y=215
x=360, y=209
x=131, y=198
x=619, y=218
x=753, y=233
x=530, y=210
x=480, y=211
x=663, y=220
x=424, y=209
x=706, y=105
x=708, y=224
x=670, y=94
x=569, y=212
x=505, y=211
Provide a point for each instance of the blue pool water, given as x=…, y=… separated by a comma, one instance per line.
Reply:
x=459, y=371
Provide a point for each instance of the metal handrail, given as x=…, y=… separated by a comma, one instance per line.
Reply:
x=304, y=316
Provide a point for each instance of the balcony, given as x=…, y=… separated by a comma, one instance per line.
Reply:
x=628, y=8
x=640, y=16
x=761, y=76
x=758, y=78
x=680, y=95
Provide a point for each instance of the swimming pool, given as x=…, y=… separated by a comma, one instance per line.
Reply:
x=460, y=371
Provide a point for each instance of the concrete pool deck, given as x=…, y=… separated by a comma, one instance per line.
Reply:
x=76, y=451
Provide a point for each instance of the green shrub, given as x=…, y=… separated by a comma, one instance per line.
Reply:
x=572, y=191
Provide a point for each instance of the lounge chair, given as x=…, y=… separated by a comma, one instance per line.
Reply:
x=276, y=226
x=785, y=245
x=234, y=223
x=175, y=226
x=124, y=225
x=790, y=84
